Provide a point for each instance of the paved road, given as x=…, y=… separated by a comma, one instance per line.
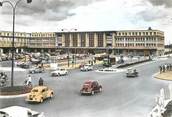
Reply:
x=121, y=96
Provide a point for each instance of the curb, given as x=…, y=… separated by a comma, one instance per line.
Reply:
x=13, y=96
x=154, y=75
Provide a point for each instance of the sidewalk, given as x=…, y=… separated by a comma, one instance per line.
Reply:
x=164, y=75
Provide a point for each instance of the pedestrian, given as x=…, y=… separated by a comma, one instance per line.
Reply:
x=41, y=82
x=160, y=69
x=163, y=68
x=28, y=81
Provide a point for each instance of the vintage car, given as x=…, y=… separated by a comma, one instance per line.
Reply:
x=39, y=93
x=24, y=65
x=59, y=72
x=87, y=67
x=19, y=111
x=91, y=87
x=131, y=72
x=36, y=70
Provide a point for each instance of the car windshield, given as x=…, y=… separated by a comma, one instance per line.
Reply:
x=3, y=114
x=35, y=90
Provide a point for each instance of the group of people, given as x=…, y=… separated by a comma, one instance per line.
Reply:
x=165, y=68
x=28, y=81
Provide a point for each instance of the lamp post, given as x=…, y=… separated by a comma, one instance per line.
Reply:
x=66, y=30
x=14, y=6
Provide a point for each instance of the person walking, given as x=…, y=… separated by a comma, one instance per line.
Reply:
x=28, y=81
x=41, y=82
x=160, y=69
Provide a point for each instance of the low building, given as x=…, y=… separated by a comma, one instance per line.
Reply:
x=128, y=42
x=20, y=41
x=42, y=42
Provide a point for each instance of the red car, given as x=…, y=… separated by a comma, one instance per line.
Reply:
x=91, y=87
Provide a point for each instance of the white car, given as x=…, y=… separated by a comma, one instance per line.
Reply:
x=36, y=70
x=86, y=68
x=18, y=111
x=59, y=72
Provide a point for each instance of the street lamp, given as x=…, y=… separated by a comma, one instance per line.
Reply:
x=14, y=6
x=66, y=30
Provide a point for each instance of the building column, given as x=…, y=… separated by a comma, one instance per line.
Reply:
x=63, y=40
x=86, y=40
x=104, y=40
x=22, y=50
x=95, y=40
x=113, y=40
x=1, y=51
x=79, y=40
x=71, y=41
x=17, y=50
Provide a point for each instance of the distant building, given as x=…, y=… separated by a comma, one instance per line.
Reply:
x=135, y=42
x=127, y=42
x=20, y=42
x=42, y=41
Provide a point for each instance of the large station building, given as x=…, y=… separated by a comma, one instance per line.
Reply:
x=127, y=42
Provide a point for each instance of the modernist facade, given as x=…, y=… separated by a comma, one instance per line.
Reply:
x=20, y=42
x=42, y=42
x=135, y=42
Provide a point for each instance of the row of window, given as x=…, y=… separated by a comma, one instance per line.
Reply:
x=11, y=34
x=136, y=33
x=137, y=39
x=136, y=45
x=43, y=34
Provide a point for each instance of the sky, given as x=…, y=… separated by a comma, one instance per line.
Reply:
x=89, y=15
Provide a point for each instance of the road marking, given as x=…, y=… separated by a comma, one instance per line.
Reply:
x=13, y=96
x=9, y=69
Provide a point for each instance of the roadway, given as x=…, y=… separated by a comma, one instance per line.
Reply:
x=121, y=96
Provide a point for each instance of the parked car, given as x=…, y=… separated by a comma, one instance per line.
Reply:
x=91, y=87
x=86, y=67
x=25, y=65
x=39, y=93
x=131, y=72
x=59, y=72
x=36, y=70
x=19, y=111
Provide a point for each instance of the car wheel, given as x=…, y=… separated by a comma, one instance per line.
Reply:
x=92, y=92
x=59, y=74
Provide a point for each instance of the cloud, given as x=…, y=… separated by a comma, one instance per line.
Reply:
x=152, y=14
x=54, y=10
x=166, y=3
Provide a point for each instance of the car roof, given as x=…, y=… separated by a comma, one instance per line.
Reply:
x=17, y=111
x=89, y=81
x=40, y=87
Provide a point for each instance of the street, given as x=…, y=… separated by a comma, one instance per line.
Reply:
x=121, y=96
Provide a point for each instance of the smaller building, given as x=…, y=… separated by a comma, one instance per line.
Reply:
x=42, y=41
x=20, y=41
